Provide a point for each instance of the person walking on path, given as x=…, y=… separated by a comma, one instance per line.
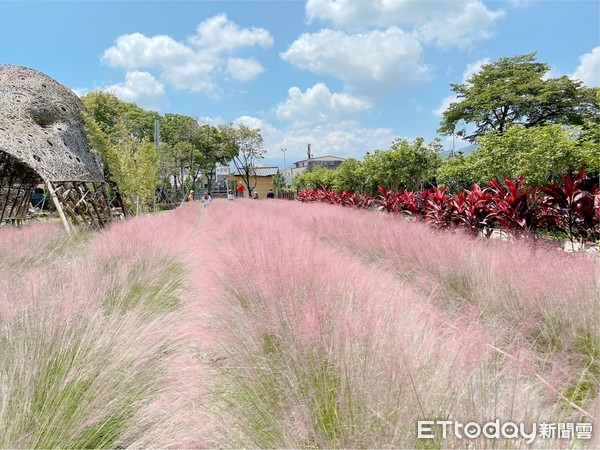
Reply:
x=206, y=199
x=190, y=197
x=240, y=189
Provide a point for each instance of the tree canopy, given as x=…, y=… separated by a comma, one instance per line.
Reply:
x=540, y=154
x=123, y=134
x=405, y=164
x=130, y=161
x=244, y=146
x=513, y=90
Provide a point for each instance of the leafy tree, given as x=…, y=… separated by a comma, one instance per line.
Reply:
x=540, y=154
x=130, y=164
x=245, y=146
x=349, y=175
x=513, y=91
x=589, y=140
x=214, y=149
x=109, y=113
x=175, y=128
x=457, y=172
x=314, y=178
x=279, y=182
x=196, y=149
x=404, y=165
x=183, y=135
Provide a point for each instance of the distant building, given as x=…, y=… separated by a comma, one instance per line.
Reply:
x=263, y=176
x=222, y=173
x=327, y=162
x=218, y=180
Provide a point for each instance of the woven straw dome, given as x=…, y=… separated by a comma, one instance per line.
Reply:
x=41, y=127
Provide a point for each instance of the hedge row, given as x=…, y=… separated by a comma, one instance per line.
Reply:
x=571, y=206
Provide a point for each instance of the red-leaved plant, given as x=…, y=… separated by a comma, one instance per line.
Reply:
x=435, y=207
x=388, y=200
x=569, y=208
x=471, y=208
x=511, y=207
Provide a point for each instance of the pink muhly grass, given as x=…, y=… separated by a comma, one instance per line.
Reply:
x=23, y=243
x=279, y=324
x=308, y=319
x=129, y=362
x=498, y=280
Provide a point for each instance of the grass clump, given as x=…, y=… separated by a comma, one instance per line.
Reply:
x=587, y=386
x=72, y=385
x=154, y=285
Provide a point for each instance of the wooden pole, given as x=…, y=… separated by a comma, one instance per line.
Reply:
x=58, y=206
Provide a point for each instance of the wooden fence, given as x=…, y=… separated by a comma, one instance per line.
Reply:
x=287, y=195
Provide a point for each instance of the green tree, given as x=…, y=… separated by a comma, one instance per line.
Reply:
x=185, y=154
x=130, y=164
x=513, y=91
x=313, y=178
x=409, y=165
x=195, y=149
x=245, y=147
x=457, y=172
x=110, y=113
x=175, y=128
x=279, y=182
x=349, y=175
x=541, y=154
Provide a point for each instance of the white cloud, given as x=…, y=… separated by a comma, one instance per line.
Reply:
x=447, y=23
x=132, y=51
x=194, y=75
x=446, y=101
x=141, y=88
x=471, y=21
x=521, y=3
x=473, y=68
x=254, y=122
x=220, y=34
x=318, y=104
x=80, y=91
x=191, y=65
x=344, y=139
x=588, y=70
x=244, y=69
x=373, y=63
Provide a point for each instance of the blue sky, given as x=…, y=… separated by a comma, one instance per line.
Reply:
x=347, y=76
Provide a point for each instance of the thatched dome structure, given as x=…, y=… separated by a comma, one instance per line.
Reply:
x=42, y=139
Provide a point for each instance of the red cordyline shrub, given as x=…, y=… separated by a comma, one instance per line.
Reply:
x=471, y=208
x=511, y=206
x=354, y=199
x=306, y=195
x=435, y=207
x=344, y=198
x=569, y=208
x=506, y=204
x=387, y=201
x=409, y=202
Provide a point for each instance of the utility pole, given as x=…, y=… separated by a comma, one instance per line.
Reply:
x=284, y=165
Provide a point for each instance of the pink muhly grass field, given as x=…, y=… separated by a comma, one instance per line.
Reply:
x=279, y=324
